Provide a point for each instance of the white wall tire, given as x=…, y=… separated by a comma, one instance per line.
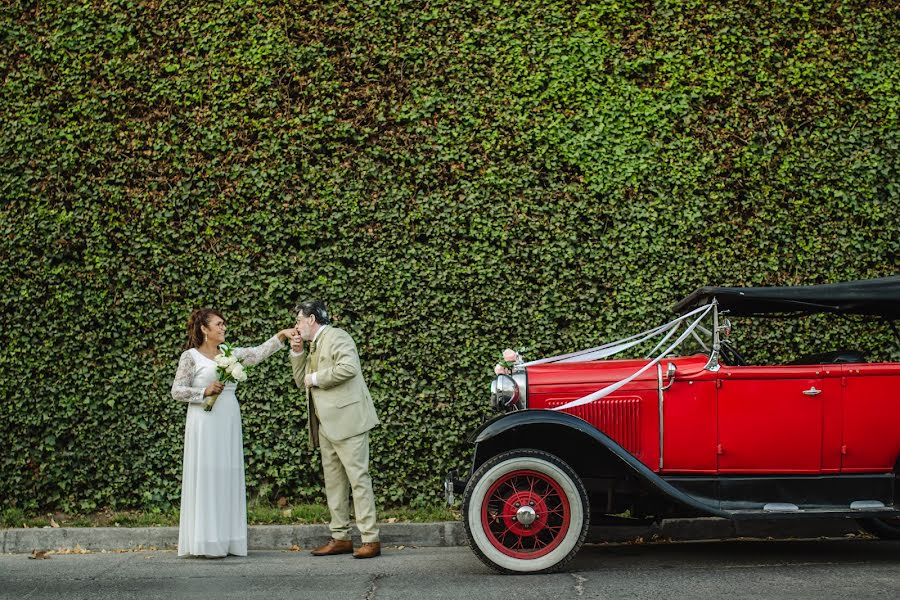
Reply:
x=525, y=511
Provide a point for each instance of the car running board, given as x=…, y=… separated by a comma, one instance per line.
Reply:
x=860, y=509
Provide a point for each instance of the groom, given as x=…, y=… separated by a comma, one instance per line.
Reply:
x=340, y=415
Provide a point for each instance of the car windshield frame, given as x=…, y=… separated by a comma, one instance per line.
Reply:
x=878, y=297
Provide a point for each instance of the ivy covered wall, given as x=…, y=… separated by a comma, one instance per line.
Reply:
x=451, y=176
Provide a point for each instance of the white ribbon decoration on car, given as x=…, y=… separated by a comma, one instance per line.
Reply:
x=618, y=347
x=612, y=348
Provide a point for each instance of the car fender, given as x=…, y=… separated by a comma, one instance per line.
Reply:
x=524, y=419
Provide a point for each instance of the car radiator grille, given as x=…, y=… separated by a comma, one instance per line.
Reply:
x=619, y=418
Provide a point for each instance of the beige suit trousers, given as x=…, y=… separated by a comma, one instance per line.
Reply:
x=346, y=467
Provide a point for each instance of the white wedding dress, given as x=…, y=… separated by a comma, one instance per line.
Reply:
x=213, y=495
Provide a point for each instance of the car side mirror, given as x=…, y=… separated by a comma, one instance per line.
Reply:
x=725, y=328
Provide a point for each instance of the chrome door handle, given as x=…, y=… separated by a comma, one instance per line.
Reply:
x=812, y=391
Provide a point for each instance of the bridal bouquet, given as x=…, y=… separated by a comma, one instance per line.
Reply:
x=228, y=369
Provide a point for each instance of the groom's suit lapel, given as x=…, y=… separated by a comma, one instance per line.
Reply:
x=316, y=350
x=312, y=365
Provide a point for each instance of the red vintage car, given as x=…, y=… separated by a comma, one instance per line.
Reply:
x=585, y=439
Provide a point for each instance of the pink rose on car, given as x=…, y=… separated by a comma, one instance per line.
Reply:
x=511, y=356
x=507, y=359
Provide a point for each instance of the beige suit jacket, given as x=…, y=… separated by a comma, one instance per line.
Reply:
x=341, y=399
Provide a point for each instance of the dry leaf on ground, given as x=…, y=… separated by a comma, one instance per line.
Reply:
x=76, y=550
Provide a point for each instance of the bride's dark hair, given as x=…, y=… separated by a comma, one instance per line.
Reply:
x=198, y=318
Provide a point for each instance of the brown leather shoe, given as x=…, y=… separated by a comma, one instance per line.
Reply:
x=368, y=550
x=334, y=547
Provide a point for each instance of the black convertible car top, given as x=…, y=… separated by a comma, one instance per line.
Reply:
x=873, y=297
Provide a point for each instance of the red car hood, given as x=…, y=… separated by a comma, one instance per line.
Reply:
x=574, y=380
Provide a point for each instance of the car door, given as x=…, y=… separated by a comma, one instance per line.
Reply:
x=770, y=419
x=871, y=417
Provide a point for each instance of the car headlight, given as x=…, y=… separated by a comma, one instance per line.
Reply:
x=504, y=393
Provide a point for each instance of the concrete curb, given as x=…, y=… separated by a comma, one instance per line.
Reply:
x=259, y=537
x=446, y=534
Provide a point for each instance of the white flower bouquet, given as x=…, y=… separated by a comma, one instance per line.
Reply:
x=228, y=369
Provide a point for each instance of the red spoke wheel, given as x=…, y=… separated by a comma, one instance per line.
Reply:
x=525, y=511
x=526, y=514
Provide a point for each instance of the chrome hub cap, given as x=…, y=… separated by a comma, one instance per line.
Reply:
x=526, y=515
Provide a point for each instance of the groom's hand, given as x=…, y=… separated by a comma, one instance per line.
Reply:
x=297, y=343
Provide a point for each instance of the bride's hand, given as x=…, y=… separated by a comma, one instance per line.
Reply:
x=286, y=334
x=214, y=388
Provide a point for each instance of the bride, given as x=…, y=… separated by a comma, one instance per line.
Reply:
x=213, y=497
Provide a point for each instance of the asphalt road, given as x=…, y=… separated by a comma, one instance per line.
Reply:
x=816, y=569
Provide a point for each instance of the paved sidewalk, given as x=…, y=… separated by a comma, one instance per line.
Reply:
x=838, y=569
x=440, y=534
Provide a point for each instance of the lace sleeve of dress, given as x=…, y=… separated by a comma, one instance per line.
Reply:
x=181, y=388
x=257, y=354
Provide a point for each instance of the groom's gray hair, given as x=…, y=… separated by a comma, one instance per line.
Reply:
x=315, y=308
